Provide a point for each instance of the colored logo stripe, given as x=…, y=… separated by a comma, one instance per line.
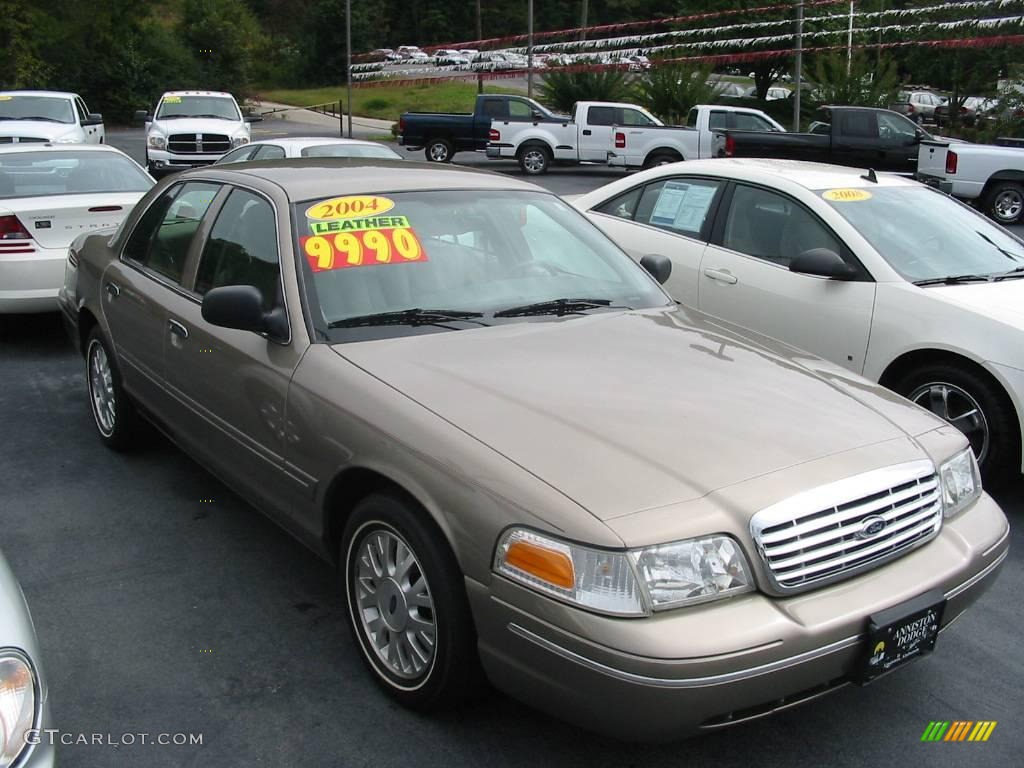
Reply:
x=958, y=730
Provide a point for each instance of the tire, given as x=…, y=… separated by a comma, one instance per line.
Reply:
x=994, y=432
x=1004, y=202
x=661, y=158
x=439, y=151
x=423, y=678
x=534, y=159
x=117, y=422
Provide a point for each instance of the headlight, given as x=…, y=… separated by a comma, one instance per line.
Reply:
x=17, y=705
x=961, y=482
x=631, y=583
x=238, y=141
x=156, y=141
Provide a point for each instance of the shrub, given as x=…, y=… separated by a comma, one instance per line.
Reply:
x=670, y=90
x=560, y=90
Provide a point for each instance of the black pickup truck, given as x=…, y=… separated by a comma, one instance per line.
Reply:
x=442, y=134
x=856, y=136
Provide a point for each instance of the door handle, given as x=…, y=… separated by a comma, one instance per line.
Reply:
x=587, y=132
x=177, y=329
x=721, y=275
x=112, y=290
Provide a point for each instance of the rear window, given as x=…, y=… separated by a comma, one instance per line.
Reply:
x=41, y=174
x=351, y=150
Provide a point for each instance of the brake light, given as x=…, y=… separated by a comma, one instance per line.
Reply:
x=494, y=135
x=730, y=146
x=620, y=140
x=910, y=109
x=12, y=229
x=401, y=125
x=951, y=160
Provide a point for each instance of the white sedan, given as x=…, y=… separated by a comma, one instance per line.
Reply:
x=49, y=195
x=878, y=274
x=314, y=146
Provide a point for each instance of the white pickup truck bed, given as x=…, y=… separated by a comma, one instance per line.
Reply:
x=990, y=175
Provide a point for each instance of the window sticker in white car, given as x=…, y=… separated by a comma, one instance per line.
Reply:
x=351, y=232
x=683, y=206
x=846, y=195
x=172, y=99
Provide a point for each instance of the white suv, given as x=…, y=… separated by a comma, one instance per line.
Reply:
x=192, y=128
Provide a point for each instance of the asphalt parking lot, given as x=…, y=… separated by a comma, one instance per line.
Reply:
x=164, y=604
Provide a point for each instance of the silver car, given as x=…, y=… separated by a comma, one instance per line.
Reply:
x=24, y=708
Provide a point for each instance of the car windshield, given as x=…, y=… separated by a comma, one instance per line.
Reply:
x=925, y=235
x=217, y=107
x=53, y=109
x=351, y=150
x=42, y=174
x=467, y=251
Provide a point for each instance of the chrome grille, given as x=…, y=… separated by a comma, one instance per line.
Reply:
x=837, y=530
x=198, y=143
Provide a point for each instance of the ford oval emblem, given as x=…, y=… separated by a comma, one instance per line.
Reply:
x=871, y=527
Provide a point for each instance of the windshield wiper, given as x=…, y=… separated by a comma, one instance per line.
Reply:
x=1008, y=254
x=413, y=316
x=556, y=307
x=954, y=280
x=215, y=117
x=1011, y=275
x=36, y=117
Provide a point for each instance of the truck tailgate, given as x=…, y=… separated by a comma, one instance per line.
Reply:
x=931, y=160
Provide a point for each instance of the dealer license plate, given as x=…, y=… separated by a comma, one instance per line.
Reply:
x=901, y=633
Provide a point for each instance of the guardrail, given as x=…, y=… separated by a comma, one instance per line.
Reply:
x=327, y=108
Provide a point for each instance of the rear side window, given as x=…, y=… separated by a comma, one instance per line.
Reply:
x=242, y=249
x=862, y=125
x=601, y=115
x=691, y=118
x=496, y=109
x=519, y=110
x=678, y=205
x=717, y=121
x=748, y=122
x=163, y=236
x=623, y=206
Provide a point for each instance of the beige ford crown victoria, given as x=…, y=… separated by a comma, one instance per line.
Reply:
x=527, y=462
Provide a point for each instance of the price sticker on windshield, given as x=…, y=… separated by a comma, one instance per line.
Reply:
x=362, y=248
x=351, y=207
x=172, y=99
x=6, y=98
x=846, y=195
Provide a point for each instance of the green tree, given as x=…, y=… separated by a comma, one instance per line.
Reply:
x=670, y=90
x=560, y=90
x=867, y=83
x=225, y=37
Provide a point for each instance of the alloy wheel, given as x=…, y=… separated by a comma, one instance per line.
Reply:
x=534, y=160
x=393, y=604
x=101, y=389
x=959, y=408
x=1008, y=205
x=438, y=152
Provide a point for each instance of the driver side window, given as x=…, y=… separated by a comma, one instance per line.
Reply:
x=519, y=110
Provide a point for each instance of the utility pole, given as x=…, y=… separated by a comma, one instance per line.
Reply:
x=348, y=66
x=529, y=49
x=583, y=19
x=798, y=77
x=479, y=36
x=849, y=42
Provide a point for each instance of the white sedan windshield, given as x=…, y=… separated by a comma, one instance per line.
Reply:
x=925, y=235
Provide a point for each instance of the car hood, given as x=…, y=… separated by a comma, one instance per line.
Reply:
x=630, y=411
x=1002, y=301
x=36, y=129
x=201, y=125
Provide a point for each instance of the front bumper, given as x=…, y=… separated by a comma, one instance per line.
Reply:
x=29, y=281
x=720, y=663
x=162, y=160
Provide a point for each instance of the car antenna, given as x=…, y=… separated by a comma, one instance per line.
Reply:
x=870, y=176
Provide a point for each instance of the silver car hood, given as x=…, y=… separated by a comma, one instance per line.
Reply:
x=630, y=411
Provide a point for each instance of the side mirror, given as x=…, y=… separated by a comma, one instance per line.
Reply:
x=141, y=116
x=821, y=262
x=537, y=115
x=94, y=118
x=253, y=118
x=241, y=307
x=659, y=267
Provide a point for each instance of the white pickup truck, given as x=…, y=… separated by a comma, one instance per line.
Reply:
x=644, y=146
x=990, y=175
x=53, y=117
x=614, y=133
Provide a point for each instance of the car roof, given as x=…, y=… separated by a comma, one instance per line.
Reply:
x=313, y=178
x=197, y=93
x=39, y=147
x=813, y=176
x=54, y=94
